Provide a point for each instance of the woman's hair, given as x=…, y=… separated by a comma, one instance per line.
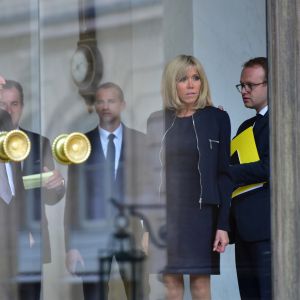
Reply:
x=173, y=72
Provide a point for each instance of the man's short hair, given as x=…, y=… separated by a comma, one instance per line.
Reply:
x=9, y=84
x=258, y=61
x=111, y=85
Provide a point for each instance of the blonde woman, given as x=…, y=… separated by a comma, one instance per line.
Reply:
x=193, y=150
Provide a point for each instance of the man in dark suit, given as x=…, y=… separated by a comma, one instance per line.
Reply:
x=52, y=189
x=111, y=171
x=10, y=192
x=251, y=209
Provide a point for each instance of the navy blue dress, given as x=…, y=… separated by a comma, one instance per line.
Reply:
x=190, y=230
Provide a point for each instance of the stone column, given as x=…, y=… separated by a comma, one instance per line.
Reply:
x=283, y=18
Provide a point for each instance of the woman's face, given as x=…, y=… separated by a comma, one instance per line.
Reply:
x=188, y=87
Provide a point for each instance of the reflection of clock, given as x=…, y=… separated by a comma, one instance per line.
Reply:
x=86, y=66
x=79, y=66
x=86, y=63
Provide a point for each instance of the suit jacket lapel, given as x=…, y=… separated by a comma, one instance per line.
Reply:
x=19, y=192
x=97, y=150
x=122, y=154
x=246, y=125
x=19, y=186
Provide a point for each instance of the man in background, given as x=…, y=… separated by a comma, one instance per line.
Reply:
x=112, y=171
x=10, y=197
x=251, y=209
x=11, y=191
x=51, y=190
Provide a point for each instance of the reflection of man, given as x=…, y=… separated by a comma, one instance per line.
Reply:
x=39, y=160
x=251, y=210
x=10, y=198
x=10, y=192
x=110, y=172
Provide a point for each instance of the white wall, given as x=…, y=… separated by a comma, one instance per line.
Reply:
x=228, y=33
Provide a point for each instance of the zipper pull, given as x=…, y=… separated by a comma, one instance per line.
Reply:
x=200, y=202
x=212, y=141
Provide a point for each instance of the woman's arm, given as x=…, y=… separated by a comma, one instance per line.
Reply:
x=224, y=180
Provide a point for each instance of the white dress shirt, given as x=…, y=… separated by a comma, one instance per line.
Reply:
x=263, y=111
x=10, y=178
x=9, y=173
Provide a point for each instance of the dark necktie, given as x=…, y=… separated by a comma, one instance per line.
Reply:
x=5, y=191
x=257, y=118
x=110, y=156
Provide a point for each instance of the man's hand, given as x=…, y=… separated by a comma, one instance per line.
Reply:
x=73, y=257
x=221, y=241
x=55, y=181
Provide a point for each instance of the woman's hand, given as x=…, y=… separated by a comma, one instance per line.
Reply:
x=221, y=241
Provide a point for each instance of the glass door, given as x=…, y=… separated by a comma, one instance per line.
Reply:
x=88, y=218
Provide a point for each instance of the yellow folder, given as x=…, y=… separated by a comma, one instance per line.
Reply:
x=244, y=145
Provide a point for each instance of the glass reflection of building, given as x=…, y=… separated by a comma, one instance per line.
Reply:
x=38, y=39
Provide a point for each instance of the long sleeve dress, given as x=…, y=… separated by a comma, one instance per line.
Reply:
x=194, y=159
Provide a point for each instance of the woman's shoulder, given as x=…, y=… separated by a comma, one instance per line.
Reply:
x=212, y=110
x=156, y=114
x=160, y=115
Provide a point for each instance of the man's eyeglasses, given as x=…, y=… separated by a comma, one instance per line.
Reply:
x=248, y=86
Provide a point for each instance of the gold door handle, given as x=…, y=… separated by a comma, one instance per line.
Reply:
x=73, y=148
x=14, y=146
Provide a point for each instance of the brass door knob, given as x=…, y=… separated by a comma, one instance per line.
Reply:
x=14, y=146
x=73, y=148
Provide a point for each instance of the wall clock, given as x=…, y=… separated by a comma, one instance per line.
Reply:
x=86, y=62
